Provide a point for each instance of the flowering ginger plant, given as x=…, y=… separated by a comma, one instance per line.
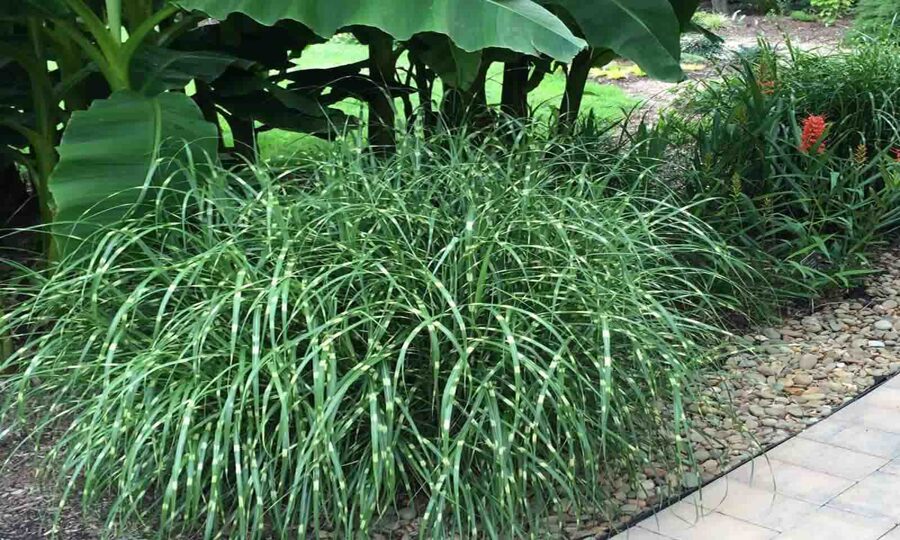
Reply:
x=813, y=132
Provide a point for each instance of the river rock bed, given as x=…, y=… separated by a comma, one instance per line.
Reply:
x=778, y=381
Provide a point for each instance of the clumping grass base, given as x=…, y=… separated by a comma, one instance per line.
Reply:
x=477, y=326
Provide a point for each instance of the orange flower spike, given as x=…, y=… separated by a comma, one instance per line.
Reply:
x=813, y=130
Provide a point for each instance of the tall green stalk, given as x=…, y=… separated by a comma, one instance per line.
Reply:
x=514, y=100
x=576, y=80
x=112, y=55
x=42, y=136
x=114, y=19
x=382, y=67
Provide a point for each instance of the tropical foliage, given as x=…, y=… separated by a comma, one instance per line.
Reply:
x=62, y=56
x=794, y=159
x=831, y=10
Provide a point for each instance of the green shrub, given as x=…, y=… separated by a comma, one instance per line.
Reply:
x=479, y=326
x=878, y=18
x=811, y=218
x=711, y=21
x=702, y=46
x=804, y=16
x=832, y=10
x=858, y=91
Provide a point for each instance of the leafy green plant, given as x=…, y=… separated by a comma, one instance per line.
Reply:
x=832, y=10
x=810, y=200
x=878, y=18
x=270, y=356
x=702, y=46
x=711, y=21
x=856, y=91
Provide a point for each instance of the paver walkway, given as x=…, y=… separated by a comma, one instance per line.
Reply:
x=838, y=480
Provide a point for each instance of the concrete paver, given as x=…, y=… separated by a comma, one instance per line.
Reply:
x=838, y=480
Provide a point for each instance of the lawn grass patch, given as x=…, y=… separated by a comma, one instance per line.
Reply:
x=602, y=101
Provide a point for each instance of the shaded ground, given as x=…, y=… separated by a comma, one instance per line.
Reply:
x=27, y=507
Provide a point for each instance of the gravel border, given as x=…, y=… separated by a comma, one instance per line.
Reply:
x=781, y=380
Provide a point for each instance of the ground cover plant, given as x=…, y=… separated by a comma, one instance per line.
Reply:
x=306, y=351
x=793, y=157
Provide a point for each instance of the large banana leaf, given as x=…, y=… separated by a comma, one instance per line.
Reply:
x=155, y=70
x=19, y=8
x=241, y=37
x=519, y=25
x=456, y=68
x=645, y=31
x=109, y=152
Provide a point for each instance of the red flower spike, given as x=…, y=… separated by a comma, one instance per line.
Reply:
x=813, y=130
x=896, y=152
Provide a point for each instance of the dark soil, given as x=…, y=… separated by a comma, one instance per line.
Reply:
x=27, y=505
x=803, y=34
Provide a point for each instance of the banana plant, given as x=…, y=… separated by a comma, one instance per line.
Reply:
x=647, y=32
x=519, y=25
x=29, y=115
x=115, y=54
x=265, y=90
x=523, y=26
x=106, y=53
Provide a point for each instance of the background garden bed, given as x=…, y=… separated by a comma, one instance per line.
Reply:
x=500, y=320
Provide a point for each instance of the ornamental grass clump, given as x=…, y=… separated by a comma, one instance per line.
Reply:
x=468, y=327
